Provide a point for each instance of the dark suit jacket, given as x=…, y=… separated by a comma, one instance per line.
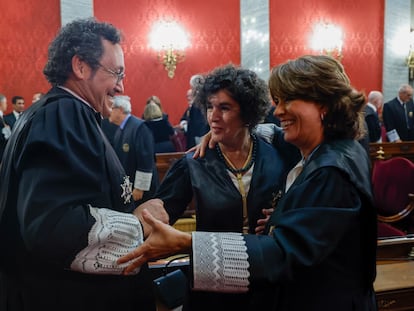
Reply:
x=395, y=118
x=10, y=119
x=3, y=140
x=373, y=124
x=197, y=124
x=134, y=145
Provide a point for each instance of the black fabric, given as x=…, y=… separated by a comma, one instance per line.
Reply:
x=218, y=207
x=373, y=124
x=58, y=164
x=396, y=116
x=321, y=247
x=197, y=124
x=134, y=146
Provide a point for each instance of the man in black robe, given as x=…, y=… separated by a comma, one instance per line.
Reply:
x=66, y=212
x=133, y=142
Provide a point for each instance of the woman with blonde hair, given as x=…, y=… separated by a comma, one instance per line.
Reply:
x=160, y=127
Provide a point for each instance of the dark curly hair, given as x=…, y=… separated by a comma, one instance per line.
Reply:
x=243, y=85
x=322, y=79
x=82, y=37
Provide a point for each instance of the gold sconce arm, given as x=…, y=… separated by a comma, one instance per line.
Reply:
x=170, y=40
x=170, y=58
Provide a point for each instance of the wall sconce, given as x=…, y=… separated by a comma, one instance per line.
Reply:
x=170, y=40
x=410, y=57
x=328, y=40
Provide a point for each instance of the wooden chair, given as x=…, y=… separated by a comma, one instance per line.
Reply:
x=393, y=188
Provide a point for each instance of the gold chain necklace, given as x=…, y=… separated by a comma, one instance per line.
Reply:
x=239, y=175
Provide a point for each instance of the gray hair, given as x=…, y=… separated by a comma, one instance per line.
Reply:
x=2, y=97
x=373, y=95
x=196, y=80
x=123, y=102
x=404, y=88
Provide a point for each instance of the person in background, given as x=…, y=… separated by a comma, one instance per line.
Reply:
x=18, y=108
x=134, y=144
x=238, y=179
x=109, y=128
x=371, y=116
x=270, y=117
x=156, y=100
x=160, y=127
x=193, y=121
x=319, y=250
x=398, y=115
x=37, y=96
x=66, y=212
x=4, y=127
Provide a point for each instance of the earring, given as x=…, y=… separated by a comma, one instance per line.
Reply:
x=322, y=116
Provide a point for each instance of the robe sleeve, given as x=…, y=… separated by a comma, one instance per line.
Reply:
x=145, y=160
x=65, y=214
x=176, y=190
x=322, y=210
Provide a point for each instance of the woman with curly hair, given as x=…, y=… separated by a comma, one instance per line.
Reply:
x=237, y=179
x=320, y=246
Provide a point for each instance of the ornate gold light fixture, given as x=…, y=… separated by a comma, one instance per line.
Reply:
x=170, y=40
x=328, y=40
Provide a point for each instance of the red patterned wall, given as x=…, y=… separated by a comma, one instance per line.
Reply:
x=362, y=23
x=26, y=28
x=214, y=27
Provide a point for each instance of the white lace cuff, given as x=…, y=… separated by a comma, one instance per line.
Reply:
x=142, y=180
x=113, y=235
x=220, y=262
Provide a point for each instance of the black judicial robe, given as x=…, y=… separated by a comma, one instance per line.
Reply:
x=60, y=166
x=219, y=208
x=134, y=145
x=322, y=244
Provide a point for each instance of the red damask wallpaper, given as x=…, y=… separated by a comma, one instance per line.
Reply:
x=26, y=27
x=362, y=23
x=215, y=40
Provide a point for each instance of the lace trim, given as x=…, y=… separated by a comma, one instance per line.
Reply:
x=113, y=235
x=220, y=262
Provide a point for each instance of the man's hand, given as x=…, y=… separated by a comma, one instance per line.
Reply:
x=163, y=241
x=156, y=208
x=137, y=194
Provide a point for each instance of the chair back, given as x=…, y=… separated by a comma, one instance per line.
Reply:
x=392, y=181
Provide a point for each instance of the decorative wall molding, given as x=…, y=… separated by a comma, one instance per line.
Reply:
x=397, y=20
x=72, y=9
x=254, y=36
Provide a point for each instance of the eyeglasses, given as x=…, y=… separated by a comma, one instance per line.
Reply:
x=119, y=75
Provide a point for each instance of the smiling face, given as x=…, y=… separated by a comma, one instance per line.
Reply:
x=302, y=123
x=223, y=116
x=98, y=87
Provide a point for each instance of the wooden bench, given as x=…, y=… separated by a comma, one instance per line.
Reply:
x=381, y=151
x=165, y=160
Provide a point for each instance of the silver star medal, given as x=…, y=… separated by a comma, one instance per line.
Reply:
x=126, y=187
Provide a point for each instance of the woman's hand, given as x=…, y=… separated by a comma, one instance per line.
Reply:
x=157, y=210
x=200, y=149
x=261, y=223
x=163, y=241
